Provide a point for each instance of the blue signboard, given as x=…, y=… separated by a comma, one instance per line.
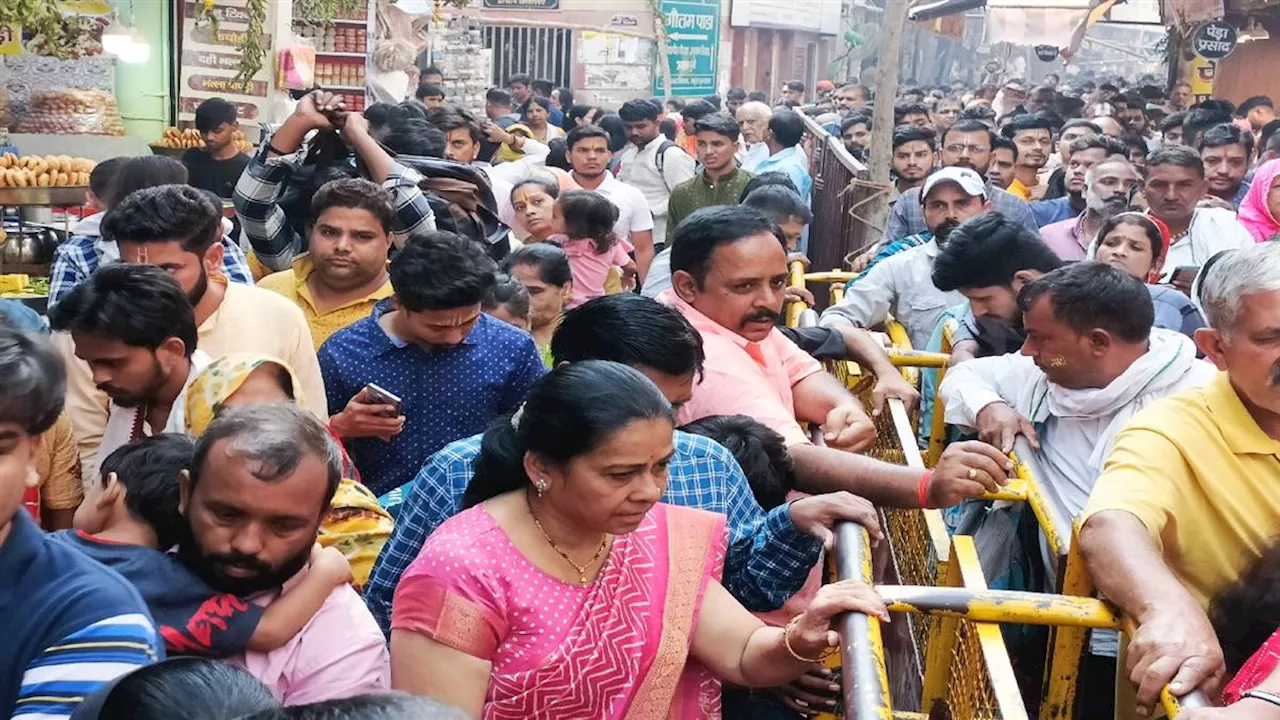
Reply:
x=693, y=47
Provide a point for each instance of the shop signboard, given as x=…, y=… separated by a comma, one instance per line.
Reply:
x=1214, y=40
x=693, y=44
x=210, y=60
x=522, y=4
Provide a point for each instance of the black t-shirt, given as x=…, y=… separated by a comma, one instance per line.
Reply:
x=216, y=176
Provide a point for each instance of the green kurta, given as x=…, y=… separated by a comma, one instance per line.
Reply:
x=697, y=193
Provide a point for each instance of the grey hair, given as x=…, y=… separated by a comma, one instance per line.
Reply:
x=275, y=439
x=1235, y=274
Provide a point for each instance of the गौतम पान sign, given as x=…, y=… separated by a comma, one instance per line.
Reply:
x=693, y=45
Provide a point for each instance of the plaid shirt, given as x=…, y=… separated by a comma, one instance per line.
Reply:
x=263, y=222
x=77, y=258
x=767, y=562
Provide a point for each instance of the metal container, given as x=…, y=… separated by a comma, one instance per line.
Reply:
x=71, y=196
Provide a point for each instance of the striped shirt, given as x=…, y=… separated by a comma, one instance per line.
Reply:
x=75, y=626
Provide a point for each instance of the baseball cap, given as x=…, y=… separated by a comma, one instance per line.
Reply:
x=968, y=180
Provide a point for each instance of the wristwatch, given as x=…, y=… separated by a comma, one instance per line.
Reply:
x=1263, y=695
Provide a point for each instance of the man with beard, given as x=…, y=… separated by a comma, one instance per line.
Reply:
x=729, y=277
x=1033, y=134
x=1082, y=155
x=1004, y=158
x=653, y=164
x=588, y=150
x=1173, y=189
x=1226, y=151
x=1188, y=488
x=176, y=228
x=136, y=330
x=1108, y=187
x=1091, y=361
x=855, y=131
x=344, y=272
x=261, y=479
x=901, y=284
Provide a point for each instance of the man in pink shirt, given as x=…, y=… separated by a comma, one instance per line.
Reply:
x=261, y=479
x=729, y=277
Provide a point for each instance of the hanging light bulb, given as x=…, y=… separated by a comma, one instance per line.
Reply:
x=115, y=37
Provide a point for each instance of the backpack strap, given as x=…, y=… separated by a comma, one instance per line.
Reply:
x=661, y=160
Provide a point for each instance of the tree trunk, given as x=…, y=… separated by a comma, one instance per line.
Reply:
x=664, y=56
x=895, y=20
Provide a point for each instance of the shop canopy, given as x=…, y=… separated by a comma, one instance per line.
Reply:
x=1060, y=23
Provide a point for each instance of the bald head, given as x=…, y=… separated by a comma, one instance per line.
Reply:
x=753, y=117
x=1109, y=126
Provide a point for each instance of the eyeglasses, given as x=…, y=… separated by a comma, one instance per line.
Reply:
x=972, y=149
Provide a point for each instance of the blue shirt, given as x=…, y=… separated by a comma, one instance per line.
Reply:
x=1048, y=212
x=767, y=561
x=22, y=317
x=446, y=393
x=71, y=625
x=791, y=161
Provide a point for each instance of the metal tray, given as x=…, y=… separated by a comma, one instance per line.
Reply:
x=67, y=196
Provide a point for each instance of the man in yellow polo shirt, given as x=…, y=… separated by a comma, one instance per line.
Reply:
x=344, y=273
x=1189, y=498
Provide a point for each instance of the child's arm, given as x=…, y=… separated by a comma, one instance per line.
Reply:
x=286, y=617
x=629, y=275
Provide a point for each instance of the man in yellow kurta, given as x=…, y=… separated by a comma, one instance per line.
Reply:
x=344, y=273
x=1187, y=501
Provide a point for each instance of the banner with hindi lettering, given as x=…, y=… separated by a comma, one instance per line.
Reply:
x=209, y=61
x=693, y=47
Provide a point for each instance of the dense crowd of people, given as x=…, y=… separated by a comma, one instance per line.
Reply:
x=495, y=416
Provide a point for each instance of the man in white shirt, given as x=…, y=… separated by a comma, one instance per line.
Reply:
x=1091, y=360
x=651, y=163
x=588, y=149
x=136, y=329
x=1175, y=184
x=753, y=118
x=902, y=285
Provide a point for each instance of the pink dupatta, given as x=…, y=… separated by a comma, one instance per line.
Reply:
x=617, y=649
x=1253, y=212
x=1256, y=669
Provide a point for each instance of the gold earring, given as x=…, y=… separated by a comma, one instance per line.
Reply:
x=540, y=485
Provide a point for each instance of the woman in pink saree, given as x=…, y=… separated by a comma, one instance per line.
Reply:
x=565, y=590
x=1261, y=205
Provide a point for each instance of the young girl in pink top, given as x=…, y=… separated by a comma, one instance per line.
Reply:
x=588, y=240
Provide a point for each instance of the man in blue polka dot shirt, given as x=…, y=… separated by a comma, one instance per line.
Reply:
x=453, y=367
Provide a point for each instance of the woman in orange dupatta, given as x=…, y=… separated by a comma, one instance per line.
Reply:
x=566, y=590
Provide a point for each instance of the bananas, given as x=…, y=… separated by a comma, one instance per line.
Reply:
x=43, y=171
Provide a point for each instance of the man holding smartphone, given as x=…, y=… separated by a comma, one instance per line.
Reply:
x=427, y=367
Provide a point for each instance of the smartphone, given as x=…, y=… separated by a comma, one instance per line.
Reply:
x=381, y=396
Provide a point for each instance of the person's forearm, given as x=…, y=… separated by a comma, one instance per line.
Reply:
x=288, y=614
x=765, y=661
x=379, y=163
x=1137, y=579
x=819, y=394
x=823, y=470
x=865, y=350
x=288, y=138
x=769, y=561
x=644, y=256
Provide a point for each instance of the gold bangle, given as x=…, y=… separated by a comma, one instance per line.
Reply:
x=786, y=642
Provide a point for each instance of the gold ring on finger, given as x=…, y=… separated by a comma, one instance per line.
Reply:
x=971, y=474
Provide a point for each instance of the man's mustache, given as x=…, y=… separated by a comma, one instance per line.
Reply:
x=761, y=315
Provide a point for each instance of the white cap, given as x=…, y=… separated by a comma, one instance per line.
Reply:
x=968, y=180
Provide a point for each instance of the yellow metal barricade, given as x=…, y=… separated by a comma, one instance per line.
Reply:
x=969, y=676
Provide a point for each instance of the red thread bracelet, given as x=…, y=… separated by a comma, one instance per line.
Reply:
x=922, y=489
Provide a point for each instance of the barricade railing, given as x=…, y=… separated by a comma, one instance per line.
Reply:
x=840, y=194
x=966, y=652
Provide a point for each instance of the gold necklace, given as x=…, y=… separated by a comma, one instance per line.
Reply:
x=582, y=569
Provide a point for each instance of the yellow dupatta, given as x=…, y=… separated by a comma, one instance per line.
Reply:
x=355, y=523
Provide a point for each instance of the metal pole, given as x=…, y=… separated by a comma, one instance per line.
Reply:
x=865, y=684
x=895, y=20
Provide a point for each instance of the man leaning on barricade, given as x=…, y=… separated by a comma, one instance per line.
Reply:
x=1186, y=506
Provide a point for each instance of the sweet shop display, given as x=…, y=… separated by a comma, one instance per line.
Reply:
x=71, y=112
